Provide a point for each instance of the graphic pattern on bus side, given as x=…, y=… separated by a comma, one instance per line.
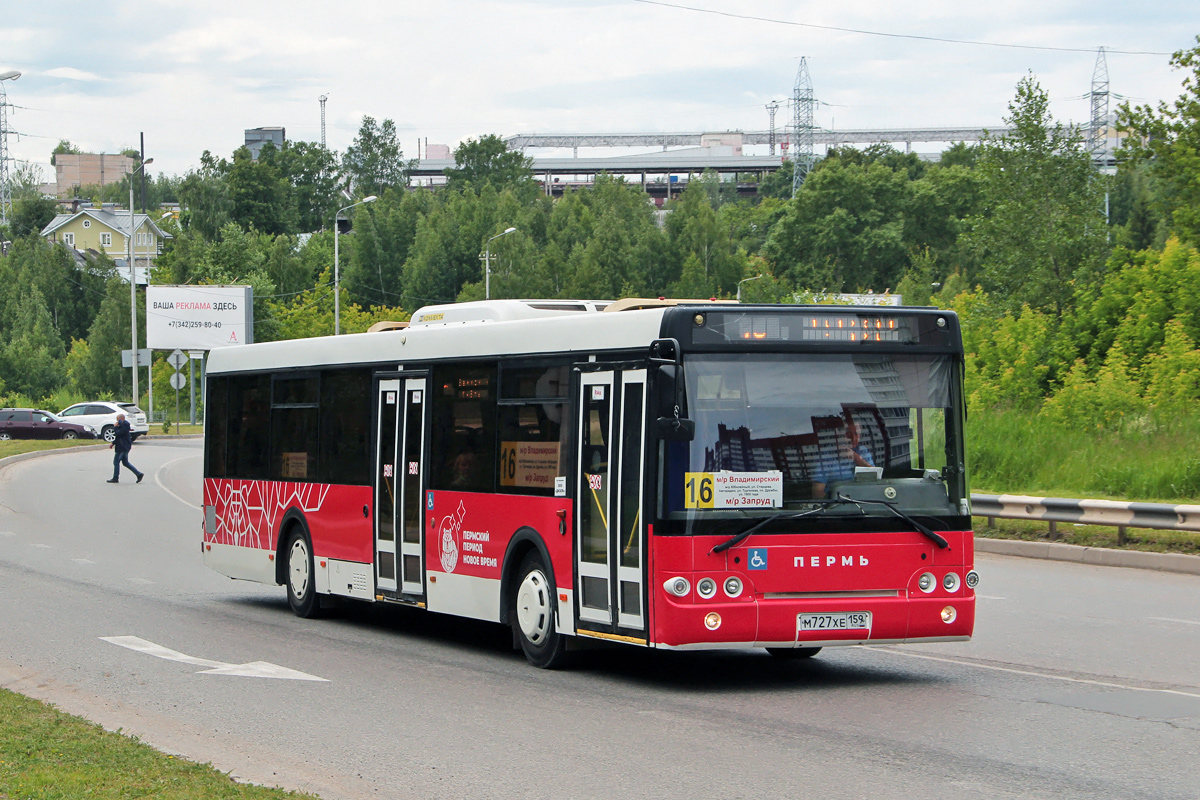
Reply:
x=249, y=512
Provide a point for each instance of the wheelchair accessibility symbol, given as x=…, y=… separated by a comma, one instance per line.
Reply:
x=757, y=558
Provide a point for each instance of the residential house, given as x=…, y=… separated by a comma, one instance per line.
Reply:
x=95, y=230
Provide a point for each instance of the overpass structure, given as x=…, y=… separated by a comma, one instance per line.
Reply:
x=820, y=136
x=662, y=173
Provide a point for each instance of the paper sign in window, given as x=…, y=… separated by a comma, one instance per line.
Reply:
x=295, y=465
x=528, y=464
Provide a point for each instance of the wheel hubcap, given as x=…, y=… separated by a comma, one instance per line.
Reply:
x=533, y=607
x=298, y=567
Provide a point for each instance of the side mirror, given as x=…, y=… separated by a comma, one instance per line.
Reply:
x=664, y=351
x=668, y=404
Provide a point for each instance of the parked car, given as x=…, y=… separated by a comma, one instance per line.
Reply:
x=102, y=415
x=31, y=423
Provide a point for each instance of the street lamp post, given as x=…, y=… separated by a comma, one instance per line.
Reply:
x=487, y=264
x=744, y=280
x=133, y=279
x=337, y=295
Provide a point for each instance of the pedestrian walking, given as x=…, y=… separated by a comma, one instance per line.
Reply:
x=120, y=447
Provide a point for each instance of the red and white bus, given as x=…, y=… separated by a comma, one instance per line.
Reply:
x=673, y=475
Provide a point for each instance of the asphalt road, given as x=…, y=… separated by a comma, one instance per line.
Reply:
x=1082, y=682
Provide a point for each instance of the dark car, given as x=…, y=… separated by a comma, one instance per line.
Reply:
x=30, y=423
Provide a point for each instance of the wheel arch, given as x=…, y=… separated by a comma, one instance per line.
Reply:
x=292, y=519
x=524, y=540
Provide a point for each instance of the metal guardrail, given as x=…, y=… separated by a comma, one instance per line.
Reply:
x=1160, y=516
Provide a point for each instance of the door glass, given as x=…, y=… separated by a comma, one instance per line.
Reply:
x=385, y=504
x=594, y=490
x=629, y=528
x=410, y=515
x=412, y=469
x=631, y=476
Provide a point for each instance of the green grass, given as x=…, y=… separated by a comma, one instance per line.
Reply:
x=17, y=446
x=48, y=755
x=1149, y=460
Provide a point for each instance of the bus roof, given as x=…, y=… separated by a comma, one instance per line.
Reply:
x=488, y=328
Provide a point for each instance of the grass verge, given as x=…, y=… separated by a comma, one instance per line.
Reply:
x=1146, y=539
x=15, y=447
x=48, y=755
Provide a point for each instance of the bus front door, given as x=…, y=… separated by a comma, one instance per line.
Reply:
x=400, y=468
x=610, y=522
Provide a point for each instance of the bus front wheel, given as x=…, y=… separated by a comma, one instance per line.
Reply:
x=302, y=593
x=533, y=616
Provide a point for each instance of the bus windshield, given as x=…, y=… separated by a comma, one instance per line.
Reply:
x=779, y=433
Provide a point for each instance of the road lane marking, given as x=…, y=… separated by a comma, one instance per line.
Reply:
x=990, y=597
x=158, y=480
x=253, y=669
x=83, y=561
x=7, y=533
x=41, y=546
x=142, y=581
x=1031, y=673
x=1172, y=619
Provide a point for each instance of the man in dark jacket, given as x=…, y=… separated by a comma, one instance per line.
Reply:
x=120, y=448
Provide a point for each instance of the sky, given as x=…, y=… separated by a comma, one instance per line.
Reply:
x=193, y=76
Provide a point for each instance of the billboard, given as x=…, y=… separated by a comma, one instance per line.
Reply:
x=199, y=317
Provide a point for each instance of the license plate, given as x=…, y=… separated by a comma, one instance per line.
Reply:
x=846, y=621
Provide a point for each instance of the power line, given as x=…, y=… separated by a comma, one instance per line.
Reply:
x=897, y=35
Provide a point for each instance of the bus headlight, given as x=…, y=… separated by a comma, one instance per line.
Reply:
x=926, y=583
x=678, y=586
x=972, y=579
x=706, y=587
x=712, y=621
x=949, y=614
x=950, y=582
x=733, y=586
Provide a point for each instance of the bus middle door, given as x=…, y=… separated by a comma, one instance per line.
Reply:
x=400, y=462
x=610, y=523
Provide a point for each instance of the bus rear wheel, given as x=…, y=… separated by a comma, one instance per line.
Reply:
x=302, y=592
x=793, y=653
x=532, y=615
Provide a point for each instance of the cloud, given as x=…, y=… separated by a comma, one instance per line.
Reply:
x=72, y=74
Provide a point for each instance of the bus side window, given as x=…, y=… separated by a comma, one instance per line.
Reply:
x=464, y=428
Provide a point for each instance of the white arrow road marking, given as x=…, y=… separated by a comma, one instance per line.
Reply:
x=254, y=669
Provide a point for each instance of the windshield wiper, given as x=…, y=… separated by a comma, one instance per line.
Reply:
x=821, y=505
x=928, y=533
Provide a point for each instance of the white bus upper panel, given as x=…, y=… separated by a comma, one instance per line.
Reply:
x=555, y=331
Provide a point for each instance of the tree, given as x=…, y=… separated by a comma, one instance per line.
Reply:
x=63, y=147
x=844, y=229
x=204, y=194
x=779, y=183
x=1169, y=137
x=375, y=162
x=31, y=358
x=489, y=161
x=1043, y=233
x=260, y=198
x=314, y=175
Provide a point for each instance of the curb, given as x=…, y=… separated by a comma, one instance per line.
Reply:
x=1096, y=556
x=19, y=457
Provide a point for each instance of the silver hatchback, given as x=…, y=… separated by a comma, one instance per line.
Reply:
x=102, y=415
